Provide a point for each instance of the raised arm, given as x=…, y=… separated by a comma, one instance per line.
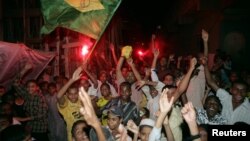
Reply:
x=135, y=71
x=209, y=79
x=185, y=81
x=168, y=131
x=189, y=115
x=112, y=48
x=119, y=67
x=165, y=104
x=156, y=53
x=91, y=76
x=76, y=76
x=205, y=36
x=131, y=126
x=89, y=114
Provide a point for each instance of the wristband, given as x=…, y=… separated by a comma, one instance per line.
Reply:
x=193, y=137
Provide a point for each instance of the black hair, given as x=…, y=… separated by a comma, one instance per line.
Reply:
x=127, y=84
x=216, y=99
x=240, y=82
x=105, y=84
x=73, y=129
x=31, y=81
x=169, y=87
x=170, y=74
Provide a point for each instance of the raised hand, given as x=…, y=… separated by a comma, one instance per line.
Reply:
x=165, y=103
x=140, y=84
x=204, y=35
x=131, y=126
x=77, y=74
x=87, y=109
x=204, y=61
x=193, y=62
x=156, y=52
x=130, y=61
x=188, y=113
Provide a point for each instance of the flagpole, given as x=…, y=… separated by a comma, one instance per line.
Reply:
x=92, y=49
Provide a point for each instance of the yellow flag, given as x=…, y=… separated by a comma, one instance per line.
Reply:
x=85, y=5
x=127, y=51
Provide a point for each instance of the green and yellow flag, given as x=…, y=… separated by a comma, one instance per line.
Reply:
x=89, y=17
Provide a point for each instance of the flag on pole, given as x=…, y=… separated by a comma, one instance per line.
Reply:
x=89, y=17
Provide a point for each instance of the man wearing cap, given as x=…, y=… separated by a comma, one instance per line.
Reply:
x=115, y=118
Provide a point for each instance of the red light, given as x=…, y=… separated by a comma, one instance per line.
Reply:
x=140, y=53
x=85, y=50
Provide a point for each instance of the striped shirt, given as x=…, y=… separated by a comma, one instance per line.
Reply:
x=35, y=106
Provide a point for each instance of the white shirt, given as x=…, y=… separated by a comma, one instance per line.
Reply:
x=241, y=113
x=196, y=88
x=155, y=134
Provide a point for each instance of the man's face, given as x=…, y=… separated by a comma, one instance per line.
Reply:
x=52, y=90
x=238, y=92
x=80, y=134
x=125, y=92
x=168, y=80
x=72, y=95
x=124, y=71
x=32, y=88
x=105, y=91
x=212, y=107
x=113, y=121
x=153, y=92
x=103, y=77
x=144, y=133
x=85, y=84
x=130, y=77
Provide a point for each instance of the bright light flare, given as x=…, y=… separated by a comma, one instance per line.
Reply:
x=140, y=53
x=85, y=50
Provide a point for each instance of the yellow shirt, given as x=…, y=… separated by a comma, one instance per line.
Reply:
x=71, y=113
x=102, y=102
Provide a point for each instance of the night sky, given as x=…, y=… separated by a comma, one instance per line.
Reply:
x=149, y=14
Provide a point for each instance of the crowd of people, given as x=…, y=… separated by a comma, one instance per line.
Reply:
x=174, y=99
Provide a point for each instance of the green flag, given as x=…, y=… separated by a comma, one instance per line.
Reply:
x=91, y=22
